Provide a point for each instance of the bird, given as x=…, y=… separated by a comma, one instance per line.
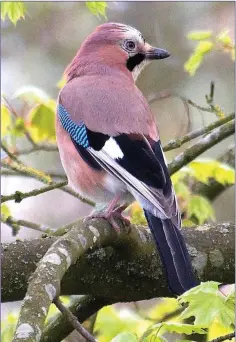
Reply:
x=109, y=143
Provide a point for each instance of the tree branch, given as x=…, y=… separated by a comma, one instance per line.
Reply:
x=17, y=224
x=51, y=174
x=28, y=171
x=18, y=196
x=173, y=144
x=42, y=177
x=73, y=320
x=201, y=146
x=224, y=338
x=58, y=328
x=10, y=155
x=128, y=270
x=45, y=283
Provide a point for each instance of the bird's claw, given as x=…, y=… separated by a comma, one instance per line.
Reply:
x=110, y=217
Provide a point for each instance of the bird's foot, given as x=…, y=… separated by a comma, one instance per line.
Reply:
x=110, y=217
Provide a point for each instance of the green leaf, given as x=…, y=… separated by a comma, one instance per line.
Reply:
x=207, y=304
x=31, y=94
x=42, y=121
x=181, y=189
x=5, y=120
x=203, y=169
x=97, y=7
x=199, y=35
x=125, y=337
x=200, y=208
x=172, y=327
x=137, y=214
x=204, y=47
x=18, y=127
x=14, y=10
x=8, y=326
x=224, y=38
x=5, y=210
x=195, y=60
x=167, y=305
x=110, y=322
x=193, y=63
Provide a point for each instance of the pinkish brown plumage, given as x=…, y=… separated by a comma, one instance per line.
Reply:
x=108, y=140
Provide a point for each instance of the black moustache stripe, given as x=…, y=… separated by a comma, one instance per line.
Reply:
x=135, y=60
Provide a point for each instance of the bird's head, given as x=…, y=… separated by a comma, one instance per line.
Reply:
x=119, y=45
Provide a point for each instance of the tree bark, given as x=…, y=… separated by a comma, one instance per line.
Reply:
x=129, y=269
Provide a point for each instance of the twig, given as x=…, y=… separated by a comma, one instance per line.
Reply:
x=217, y=135
x=224, y=338
x=17, y=224
x=18, y=196
x=203, y=109
x=28, y=136
x=14, y=174
x=195, y=134
x=10, y=155
x=44, y=178
x=83, y=307
x=73, y=320
x=29, y=171
x=165, y=94
x=38, y=148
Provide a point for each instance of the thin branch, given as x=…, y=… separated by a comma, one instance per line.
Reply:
x=10, y=155
x=17, y=224
x=83, y=307
x=28, y=171
x=18, y=196
x=210, y=140
x=14, y=174
x=203, y=109
x=38, y=148
x=10, y=107
x=173, y=144
x=44, y=178
x=73, y=320
x=224, y=338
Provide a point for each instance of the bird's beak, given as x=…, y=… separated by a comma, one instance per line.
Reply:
x=156, y=53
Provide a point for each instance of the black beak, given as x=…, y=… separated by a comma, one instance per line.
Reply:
x=156, y=53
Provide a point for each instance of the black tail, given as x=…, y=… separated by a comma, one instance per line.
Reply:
x=173, y=252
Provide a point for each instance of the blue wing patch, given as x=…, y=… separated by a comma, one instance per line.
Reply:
x=77, y=132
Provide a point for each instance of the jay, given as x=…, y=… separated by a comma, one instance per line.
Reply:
x=109, y=144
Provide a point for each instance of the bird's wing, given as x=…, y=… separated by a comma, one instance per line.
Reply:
x=127, y=155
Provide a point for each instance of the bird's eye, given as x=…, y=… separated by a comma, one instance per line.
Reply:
x=130, y=45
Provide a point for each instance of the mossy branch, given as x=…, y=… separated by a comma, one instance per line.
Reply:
x=128, y=270
x=210, y=140
x=173, y=144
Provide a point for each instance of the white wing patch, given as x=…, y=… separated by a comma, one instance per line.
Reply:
x=112, y=149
